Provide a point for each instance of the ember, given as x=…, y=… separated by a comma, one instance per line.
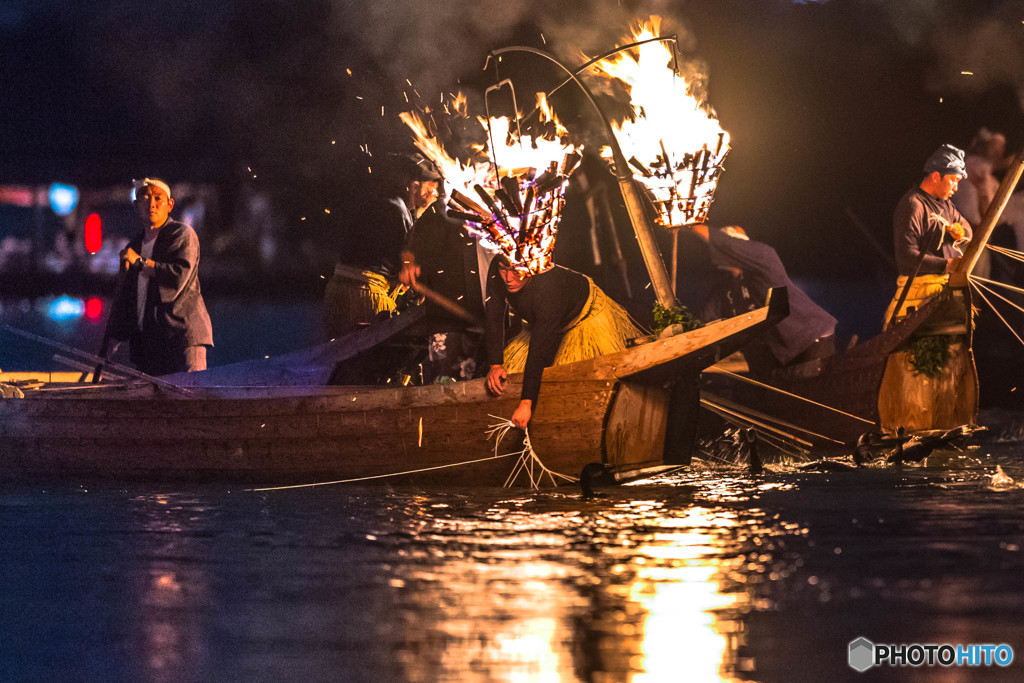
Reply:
x=674, y=141
x=513, y=202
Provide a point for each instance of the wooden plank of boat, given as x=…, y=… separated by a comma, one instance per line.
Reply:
x=425, y=434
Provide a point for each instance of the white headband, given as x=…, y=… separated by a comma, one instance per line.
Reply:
x=139, y=184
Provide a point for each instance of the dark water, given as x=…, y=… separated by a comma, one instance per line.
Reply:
x=243, y=328
x=708, y=575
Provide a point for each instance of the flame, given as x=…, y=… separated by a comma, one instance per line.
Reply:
x=460, y=103
x=513, y=200
x=669, y=124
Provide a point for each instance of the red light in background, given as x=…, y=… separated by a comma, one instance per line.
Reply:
x=94, y=307
x=93, y=233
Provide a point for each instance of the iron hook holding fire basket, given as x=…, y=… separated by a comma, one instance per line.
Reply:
x=631, y=195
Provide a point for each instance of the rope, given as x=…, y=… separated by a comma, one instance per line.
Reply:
x=773, y=440
x=978, y=287
x=1018, y=255
x=786, y=393
x=999, y=284
x=383, y=476
x=749, y=419
x=528, y=462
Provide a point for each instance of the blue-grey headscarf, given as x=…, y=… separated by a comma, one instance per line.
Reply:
x=947, y=160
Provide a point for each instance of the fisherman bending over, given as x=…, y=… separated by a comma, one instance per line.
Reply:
x=928, y=231
x=569, y=319
x=158, y=307
x=806, y=334
x=370, y=253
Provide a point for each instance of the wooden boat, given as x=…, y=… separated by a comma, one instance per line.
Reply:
x=622, y=409
x=871, y=386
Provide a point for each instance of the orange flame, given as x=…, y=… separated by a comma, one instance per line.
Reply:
x=674, y=140
x=514, y=204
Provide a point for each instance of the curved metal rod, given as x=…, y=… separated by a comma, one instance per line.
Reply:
x=487, y=110
x=630, y=194
x=587, y=65
x=616, y=150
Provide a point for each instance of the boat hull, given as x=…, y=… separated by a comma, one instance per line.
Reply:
x=613, y=409
x=871, y=387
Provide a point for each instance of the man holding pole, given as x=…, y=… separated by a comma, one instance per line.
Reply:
x=928, y=233
x=369, y=259
x=443, y=263
x=158, y=307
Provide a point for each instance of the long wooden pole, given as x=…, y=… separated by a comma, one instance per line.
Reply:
x=97, y=372
x=132, y=372
x=981, y=236
x=446, y=303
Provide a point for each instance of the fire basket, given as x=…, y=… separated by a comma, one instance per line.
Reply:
x=519, y=215
x=513, y=203
x=671, y=138
x=682, y=189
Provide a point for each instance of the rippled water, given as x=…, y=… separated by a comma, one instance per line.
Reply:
x=707, y=575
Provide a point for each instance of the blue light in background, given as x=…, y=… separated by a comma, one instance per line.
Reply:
x=65, y=308
x=63, y=198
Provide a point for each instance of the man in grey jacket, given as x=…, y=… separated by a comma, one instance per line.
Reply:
x=159, y=307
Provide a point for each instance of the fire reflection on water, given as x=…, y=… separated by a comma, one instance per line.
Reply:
x=705, y=576
x=173, y=592
x=682, y=596
x=639, y=593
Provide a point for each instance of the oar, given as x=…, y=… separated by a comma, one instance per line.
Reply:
x=446, y=303
x=131, y=372
x=105, y=344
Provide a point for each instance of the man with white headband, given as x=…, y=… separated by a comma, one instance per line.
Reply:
x=159, y=307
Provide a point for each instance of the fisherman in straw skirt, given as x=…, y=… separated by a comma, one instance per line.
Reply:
x=370, y=256
x=568, y=319
x=928, y=231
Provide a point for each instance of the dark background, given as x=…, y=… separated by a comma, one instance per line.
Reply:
x=832, y=106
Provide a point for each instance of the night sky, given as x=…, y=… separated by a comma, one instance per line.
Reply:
x=832, y=106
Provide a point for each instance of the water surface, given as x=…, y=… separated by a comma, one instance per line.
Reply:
x=707, y=575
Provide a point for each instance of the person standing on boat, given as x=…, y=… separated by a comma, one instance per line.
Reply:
x=159, y=308
x=370, y=256
x=928, y=231
x=568, y=319
x=988, y=159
